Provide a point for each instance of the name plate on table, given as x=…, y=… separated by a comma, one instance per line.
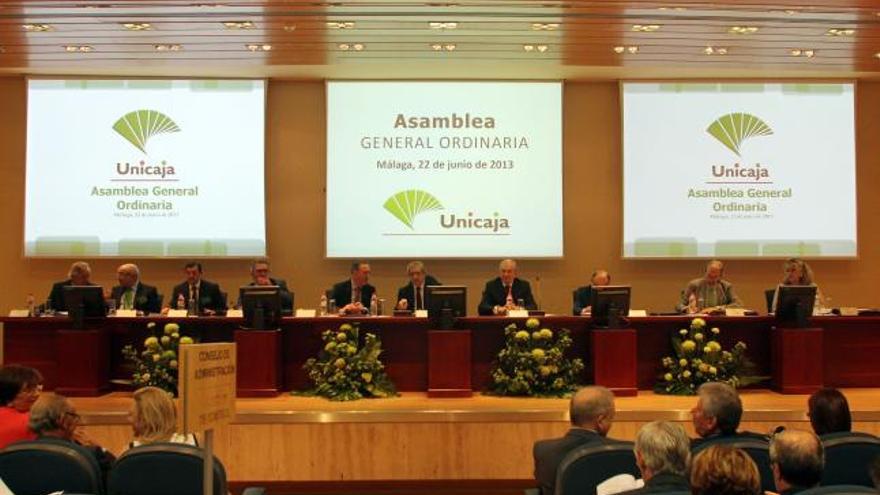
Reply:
x=19, y=313
x=638, y=312
x=235, y=313
x=518, y=313
x=126, y=313
x=843, y=311
x=305, y=313
x=735, y=311
x=421, y=313
x=177, y=313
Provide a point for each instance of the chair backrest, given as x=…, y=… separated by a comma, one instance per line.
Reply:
x=838, y=489
x=582, y=469
x=48, y=465
x=847, y=457
x=758, y=450
x=768, y=295
x=163, y=469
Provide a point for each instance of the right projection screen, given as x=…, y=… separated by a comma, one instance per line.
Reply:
x=744, y=170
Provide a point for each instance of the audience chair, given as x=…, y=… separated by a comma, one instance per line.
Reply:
x=847, y=457
x=47, y=466
x=838, y=489
x=758, y=450
x=165, y=469
x=582, y=469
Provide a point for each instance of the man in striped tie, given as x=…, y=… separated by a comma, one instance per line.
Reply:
x=412, y=295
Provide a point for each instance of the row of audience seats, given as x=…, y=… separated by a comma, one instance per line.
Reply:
x=847, y=457
x=38, y=468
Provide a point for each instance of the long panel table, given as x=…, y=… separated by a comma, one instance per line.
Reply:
x=850, y=345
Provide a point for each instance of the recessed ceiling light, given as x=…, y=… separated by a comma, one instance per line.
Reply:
x=840, y=32
x=257, y=47
x=742, y=30
x=715, y=50
x=672, y=8
x=78, y=48
x=167, y=48
x=37, y=28
x=340, y=24
x=631, y=49
x=289, y=27
x=802, y=52
x=645, y=28
x=238, y=24
x=137, y=26
x=538, y=48
x=545, y=26
x=877, y=55
x=358, y=47
x=443, y=25
x=438, y=47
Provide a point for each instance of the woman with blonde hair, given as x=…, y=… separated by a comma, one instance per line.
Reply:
x=154, y=418
x=724, y=470
x=798, y=272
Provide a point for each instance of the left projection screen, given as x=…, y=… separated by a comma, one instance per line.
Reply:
x=145, y=168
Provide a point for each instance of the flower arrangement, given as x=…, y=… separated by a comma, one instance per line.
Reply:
x=156, y=364
x=342, y=371
x=700, y=358
x=533, y=363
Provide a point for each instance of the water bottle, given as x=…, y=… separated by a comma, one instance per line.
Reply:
x=31, y=305
x=322, y=306
x=191, y=307
x=181, y=301
x=521, y=304
x=380, y=309
x=374, y=305
x=331, y=307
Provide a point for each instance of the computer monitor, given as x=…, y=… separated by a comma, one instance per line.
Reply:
x=794, y=305
x=445, y=304
x=84, y=301
x=261, y=306
x=609, y=303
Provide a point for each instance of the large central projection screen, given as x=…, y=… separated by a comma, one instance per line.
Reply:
x=740, y=170
x=444, y=169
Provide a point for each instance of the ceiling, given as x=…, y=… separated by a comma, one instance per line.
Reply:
x=410, y=39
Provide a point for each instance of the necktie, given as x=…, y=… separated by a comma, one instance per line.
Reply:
x=356, y=295
x=128, y=299
x=194, y=294
x=418, y=298
x=510, y=293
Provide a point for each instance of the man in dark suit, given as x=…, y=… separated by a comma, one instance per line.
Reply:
x=583, y=295
x=663, y=455
x=717, y=414
x=132, y=294
x=412, y=296
x=80, y=274
x=205, y=294
x=503, y=293
x=592, y=412
x=353, y=296
x=260, y=276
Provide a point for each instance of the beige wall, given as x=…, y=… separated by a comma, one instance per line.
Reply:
x=295, y=208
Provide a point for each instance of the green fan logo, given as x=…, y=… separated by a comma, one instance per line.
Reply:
x=406, y=205
x=139, y=126
x=734, y=128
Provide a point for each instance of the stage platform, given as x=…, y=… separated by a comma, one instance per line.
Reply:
x=413, y=444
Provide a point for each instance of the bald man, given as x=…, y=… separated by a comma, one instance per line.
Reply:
x=583, y=295
x=503, y=293
x=132, y=294
x=797, y=459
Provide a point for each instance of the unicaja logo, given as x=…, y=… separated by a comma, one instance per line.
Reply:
x=734, y=128
x=406, y=205
x=139, y=126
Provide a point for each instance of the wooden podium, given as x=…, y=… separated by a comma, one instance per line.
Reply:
x=83, y=362
x=261, y=350
x=797, y=360
x=614, y=360
x=449, y=363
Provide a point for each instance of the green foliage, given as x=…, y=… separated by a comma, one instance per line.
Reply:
x=342, y=371
x=699, y=358
x=156, y=364
x=533, y=363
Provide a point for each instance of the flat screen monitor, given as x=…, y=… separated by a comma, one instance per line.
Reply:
x=261, y=306
x=445, y=304
x=609, y=304
x=794, y=305
x=84, y=301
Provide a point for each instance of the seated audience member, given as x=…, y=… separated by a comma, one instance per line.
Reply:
x=260, y=276
x=829, y=412
x=709, y=292
x=154, y=418
x=583, y=294
x=717, y=413
x=663, y=455
x=20, y=387
x=132, y=294
x=206, y=295
x=54, y=420
x=353, y=296
x=503, y=292
x=797, y=459
x=591, y=412
x=874, y=469
x=412, y=295
x=724, y=470
x=798, y=272
x=80, y=273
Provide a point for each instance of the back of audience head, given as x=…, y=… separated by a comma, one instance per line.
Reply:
x=53, y=415
x=718, y=409
x=724, y=470
x=592, y=408
x=797, y=458
x=153, y=415
x=662, y=447
x=828, y=410
x=20, y=387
